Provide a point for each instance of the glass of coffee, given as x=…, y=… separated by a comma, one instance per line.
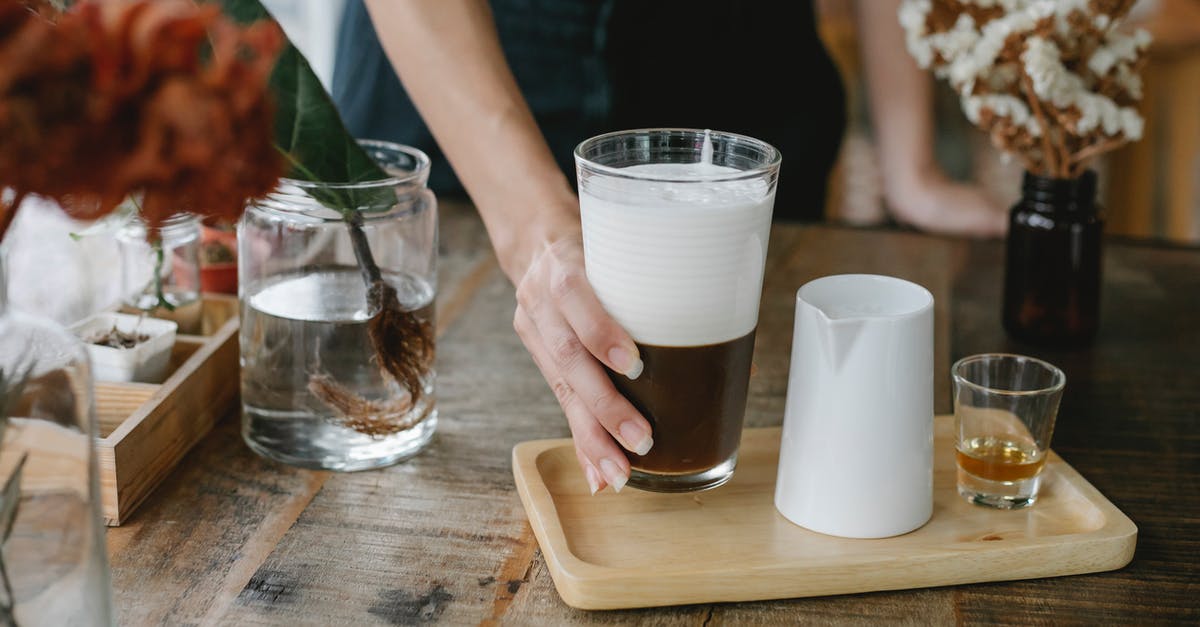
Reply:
x=675, y=228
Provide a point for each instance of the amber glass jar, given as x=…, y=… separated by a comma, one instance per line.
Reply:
x=1052, y=269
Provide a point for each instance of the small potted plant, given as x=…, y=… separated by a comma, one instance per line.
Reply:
x=125, y=347
x=218, y=259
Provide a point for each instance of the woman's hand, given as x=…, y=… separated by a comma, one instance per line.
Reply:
x=571, y=338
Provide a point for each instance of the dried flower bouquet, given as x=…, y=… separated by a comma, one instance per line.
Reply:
x=1053, y=82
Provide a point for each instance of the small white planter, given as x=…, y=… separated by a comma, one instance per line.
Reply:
x=145, y=363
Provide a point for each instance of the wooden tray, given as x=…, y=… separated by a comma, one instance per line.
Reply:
x=145, y=429
x=640, y=549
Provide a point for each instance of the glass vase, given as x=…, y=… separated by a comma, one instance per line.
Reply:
x=316, y=335
x=1053, y=262
x=163, y=280
x=53, y=566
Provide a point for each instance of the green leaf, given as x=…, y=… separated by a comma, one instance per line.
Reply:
x=10, y=496
x=308, y=129
x=12, y=385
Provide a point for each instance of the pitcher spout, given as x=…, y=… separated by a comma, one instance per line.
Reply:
x=839, y=337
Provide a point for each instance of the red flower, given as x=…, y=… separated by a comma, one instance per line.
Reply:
x=159, y=97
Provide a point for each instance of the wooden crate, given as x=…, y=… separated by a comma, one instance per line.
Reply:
x=145, y=429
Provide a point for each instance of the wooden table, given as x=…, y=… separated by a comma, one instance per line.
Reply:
x=232, y=538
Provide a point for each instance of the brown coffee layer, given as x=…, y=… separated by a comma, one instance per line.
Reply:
x=695, y=400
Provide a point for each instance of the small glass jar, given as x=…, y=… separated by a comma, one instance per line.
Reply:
x=314, y=390
x=53, y=565
x=1053, y=262
x=163, y=281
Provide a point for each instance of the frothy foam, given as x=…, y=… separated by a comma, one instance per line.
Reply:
x=678, y=263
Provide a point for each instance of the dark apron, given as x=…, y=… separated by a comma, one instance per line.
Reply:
x=592, y=66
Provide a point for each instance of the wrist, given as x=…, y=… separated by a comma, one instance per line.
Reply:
x=908, y=186
x=518, y=241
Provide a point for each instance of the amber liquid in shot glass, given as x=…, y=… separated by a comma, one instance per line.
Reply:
x=1004, y=411
x=999, y=460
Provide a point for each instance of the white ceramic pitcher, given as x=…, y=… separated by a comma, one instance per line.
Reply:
x=856, y=458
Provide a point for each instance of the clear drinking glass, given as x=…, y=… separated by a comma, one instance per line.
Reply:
x=675, y=228
x=163, y=280
x=314, y=393
x=1004, y=412
x=53, y=565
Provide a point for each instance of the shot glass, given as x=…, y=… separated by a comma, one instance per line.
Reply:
x=1004, y=412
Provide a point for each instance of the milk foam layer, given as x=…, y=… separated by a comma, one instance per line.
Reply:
x=677, y=263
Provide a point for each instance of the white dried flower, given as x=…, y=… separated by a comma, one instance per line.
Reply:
x=1051, y=70
x=912, y=16
x=1002, y=105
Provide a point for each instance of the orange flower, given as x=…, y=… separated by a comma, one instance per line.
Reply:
x=159, y=97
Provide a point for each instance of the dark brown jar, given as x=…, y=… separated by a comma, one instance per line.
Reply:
x=1052, y=268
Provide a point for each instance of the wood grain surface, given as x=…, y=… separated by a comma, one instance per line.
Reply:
x=231, y=538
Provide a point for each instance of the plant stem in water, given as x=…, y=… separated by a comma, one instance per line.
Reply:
x=158, y=281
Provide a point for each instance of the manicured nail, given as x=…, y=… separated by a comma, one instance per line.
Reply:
x=592, y=479
x=636, y=437
x=626, y=362
x=612, y=472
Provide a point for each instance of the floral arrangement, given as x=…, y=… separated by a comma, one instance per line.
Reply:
x=192, y=106
x=109, y=99
x=1053, y=82
x=162, y=99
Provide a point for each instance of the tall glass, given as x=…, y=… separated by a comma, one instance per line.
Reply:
x=314, y=392
x=675, y=229
x=53, y=566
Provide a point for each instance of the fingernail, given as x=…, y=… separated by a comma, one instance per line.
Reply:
x=612, y=472
x=626, y=362
x=593, y=481
x=636, y=437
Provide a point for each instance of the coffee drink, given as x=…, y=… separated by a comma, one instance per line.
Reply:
x=675, y=253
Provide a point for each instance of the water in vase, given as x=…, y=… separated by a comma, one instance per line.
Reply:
x=313, y=393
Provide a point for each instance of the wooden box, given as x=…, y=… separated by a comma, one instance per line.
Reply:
x=145, y=429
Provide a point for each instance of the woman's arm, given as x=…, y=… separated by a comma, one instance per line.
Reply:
x=901, y=99
x=448, y=56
